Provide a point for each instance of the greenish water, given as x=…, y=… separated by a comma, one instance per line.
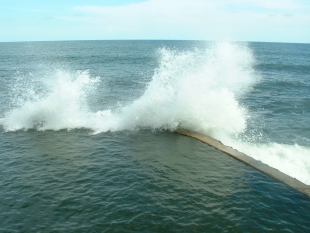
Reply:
x=141, y=182
x=87, y=141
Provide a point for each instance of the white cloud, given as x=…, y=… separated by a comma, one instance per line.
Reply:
x=200, y=19
x=276, y=4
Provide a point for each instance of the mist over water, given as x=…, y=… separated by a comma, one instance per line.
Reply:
x=198, y=90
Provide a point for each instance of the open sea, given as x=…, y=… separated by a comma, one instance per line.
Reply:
x=87, y=141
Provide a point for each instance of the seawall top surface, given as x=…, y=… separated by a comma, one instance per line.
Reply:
x=292, y=182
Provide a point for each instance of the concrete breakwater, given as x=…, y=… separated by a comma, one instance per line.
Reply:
x=292, y=182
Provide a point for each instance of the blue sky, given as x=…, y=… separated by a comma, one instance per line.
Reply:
x=236, y=20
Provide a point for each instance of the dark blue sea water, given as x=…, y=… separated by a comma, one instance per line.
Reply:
x=87, y=140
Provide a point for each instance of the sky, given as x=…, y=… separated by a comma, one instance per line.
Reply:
x=233, y=20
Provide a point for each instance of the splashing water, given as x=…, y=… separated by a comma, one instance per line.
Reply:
x=197, y=91
x=189, y=90
x=192, y=90
x=61, y=106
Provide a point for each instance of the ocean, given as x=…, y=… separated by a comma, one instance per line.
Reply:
x=88, y=142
